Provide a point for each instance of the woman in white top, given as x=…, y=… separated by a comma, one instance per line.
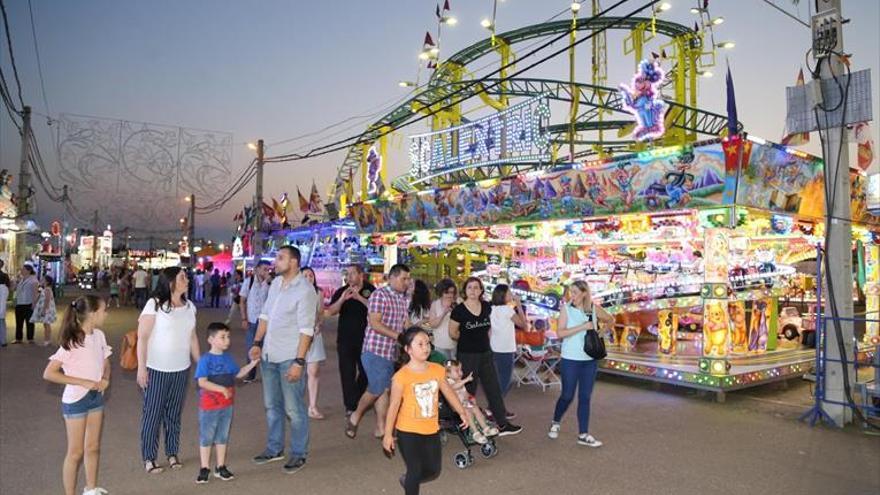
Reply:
x=167, y=341
x=317, y=354
x=438, y=317
x=507, y=314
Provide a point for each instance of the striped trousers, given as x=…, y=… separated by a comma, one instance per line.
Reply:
x=163, y=404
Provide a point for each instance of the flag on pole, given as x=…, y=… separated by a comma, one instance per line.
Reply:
x=865, y=145
x=314, y=200
x=437, y=11
x=798, y=138
x=732, y=120
x=303, y=204
x=446, y=5
x=428, y=40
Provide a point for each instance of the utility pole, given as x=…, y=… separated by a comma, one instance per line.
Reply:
x=191, y=231
x=257, y=242
x=839, y=228
x=24, y=174
x=95, y=241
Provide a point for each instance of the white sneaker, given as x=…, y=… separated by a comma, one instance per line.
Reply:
x=588, y=440
x=554, y=430
x=96, y=491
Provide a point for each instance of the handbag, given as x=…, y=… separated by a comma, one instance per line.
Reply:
x=594, y=344
x=128, y=357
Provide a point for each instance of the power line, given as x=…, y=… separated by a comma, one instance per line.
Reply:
x=11, y=55
x=393, y=126
x=37, y=52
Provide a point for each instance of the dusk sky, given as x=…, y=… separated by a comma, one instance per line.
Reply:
x=278, y=69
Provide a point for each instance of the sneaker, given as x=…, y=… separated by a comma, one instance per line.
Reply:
x=510, y=415
x=491, y=431
x=294, y=464
x=509, y=429
x=588, y=440
x=223, y=473
x=267, y=457
x=204, y=474
x=96, y=491
x=479, y=437
x=554, y=430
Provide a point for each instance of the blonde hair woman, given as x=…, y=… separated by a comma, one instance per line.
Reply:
x=578, y=370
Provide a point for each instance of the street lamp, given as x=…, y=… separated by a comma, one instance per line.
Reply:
x=425, y=55
x=486, y=23
x=450, y=21
x=705, y=73
x=696, y=10
x=406, y=84
x=716, y=21
x=726, y=45
x=252, y=146
x=575, y=7
x=664, y=7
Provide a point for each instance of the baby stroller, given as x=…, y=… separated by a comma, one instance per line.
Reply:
x=450, y=424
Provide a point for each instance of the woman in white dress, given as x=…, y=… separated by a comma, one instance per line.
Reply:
x=316, y=354
x=44, y=309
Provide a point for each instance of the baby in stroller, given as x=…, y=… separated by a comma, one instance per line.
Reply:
x=480, y=429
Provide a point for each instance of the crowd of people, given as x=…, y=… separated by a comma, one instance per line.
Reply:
x=399, y=349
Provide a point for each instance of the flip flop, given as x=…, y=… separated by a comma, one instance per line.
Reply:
x=351, y=429
x=174, y=462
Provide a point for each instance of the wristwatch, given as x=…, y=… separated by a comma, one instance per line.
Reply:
x=299, y=362
x=258, y=343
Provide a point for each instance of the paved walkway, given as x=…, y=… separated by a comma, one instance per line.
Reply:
x=656, y=442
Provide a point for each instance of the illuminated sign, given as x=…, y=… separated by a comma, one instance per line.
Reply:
x=643, y=100
x=517, y=134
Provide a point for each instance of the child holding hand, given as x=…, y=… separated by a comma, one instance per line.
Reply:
x=216, y=373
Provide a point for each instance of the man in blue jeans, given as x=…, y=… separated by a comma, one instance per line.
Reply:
x=284, y=335
x=254, y=292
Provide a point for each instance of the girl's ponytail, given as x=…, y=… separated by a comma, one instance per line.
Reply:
x=72, y=334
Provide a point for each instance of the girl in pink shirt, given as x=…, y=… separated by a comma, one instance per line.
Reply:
x=82, y=365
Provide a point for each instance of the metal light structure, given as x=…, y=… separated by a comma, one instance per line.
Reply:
x=725, y=45
x=486, y=23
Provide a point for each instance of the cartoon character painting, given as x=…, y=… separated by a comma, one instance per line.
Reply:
x=623, y=177
x=642, y=99
x=759, y=331
x=716, y=329
x=594, y=189
x=374, y=169
x=739, y=340
x=667, y=329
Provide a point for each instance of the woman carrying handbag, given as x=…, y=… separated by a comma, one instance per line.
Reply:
x=577, y=367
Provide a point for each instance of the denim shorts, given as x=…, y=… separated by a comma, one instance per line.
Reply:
x=92, y=402
x=214, y=426
x=379, y=372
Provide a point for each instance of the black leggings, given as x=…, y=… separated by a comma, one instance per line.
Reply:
x=421, y=453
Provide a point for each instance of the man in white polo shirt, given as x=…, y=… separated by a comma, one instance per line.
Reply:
x=284, y=335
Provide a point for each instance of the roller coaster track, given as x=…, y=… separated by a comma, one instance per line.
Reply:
x=593, y=98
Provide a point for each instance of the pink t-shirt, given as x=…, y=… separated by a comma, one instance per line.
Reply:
x=85, y=361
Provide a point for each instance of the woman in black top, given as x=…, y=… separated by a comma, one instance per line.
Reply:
x=469, y=324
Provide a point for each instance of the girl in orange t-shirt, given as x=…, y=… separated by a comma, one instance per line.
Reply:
x=413, y=413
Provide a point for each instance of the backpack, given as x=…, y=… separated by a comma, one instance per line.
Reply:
x=128, y=359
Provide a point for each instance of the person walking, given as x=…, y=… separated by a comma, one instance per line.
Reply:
x=44, y=310
x=4, y=299
x=283, y=339
x=125, y=287
x=234, y=295
x=469, y=324
x=577, y=369
x=25, y=296
x=317, y=353
x=254, y=292
x=167, y=346
x=507, y=314
x=350, y=303
x=413, y=411
x=216, y=281
x=388, y=315
x=199, y=280
x=141, y=286
x=441, y=308
x=82, y=365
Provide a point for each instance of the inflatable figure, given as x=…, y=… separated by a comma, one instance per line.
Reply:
x=374, y=169
x=642, y=99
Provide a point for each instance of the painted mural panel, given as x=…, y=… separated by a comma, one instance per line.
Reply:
x=649, y=181
x=774, y=179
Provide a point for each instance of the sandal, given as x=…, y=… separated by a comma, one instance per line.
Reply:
x=152, y=468
x=351, y=429
x=315, y=414
x=174, y=462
